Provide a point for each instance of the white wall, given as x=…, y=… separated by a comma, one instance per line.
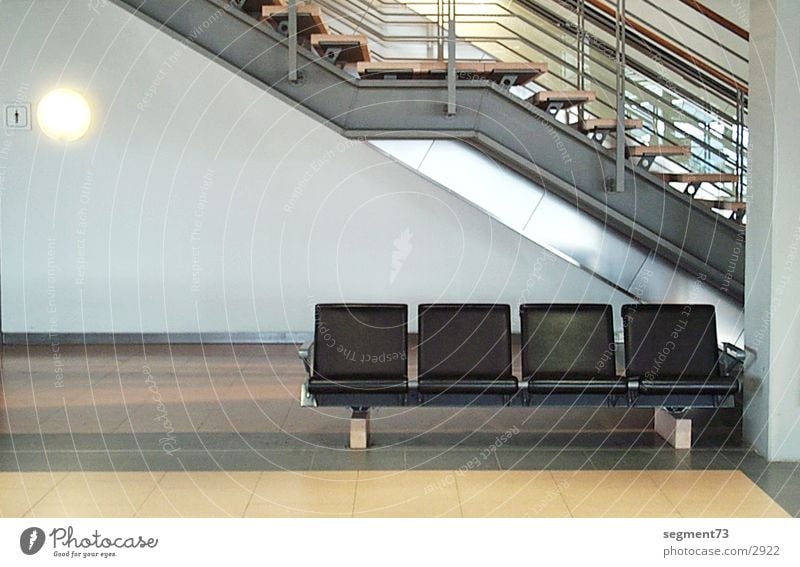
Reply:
x=199, y=203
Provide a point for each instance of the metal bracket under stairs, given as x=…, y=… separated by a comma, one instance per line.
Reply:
x=554, y=155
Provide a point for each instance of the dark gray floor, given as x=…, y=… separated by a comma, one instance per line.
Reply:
x=256, y=452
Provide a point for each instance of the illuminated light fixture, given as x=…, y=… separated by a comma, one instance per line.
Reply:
x=64, y=115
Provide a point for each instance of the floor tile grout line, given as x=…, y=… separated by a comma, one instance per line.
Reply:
x=355, y=493
x=458, y=493
x=560, y=493
x=649, y=475
x=253, y=493
x=156, y=484
x=53, y=487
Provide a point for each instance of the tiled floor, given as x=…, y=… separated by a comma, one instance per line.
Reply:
x=549, y=494
x=218, y=431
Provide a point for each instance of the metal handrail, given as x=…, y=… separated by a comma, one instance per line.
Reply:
x=681, y=53
x=717, y=18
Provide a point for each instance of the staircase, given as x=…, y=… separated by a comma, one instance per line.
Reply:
x=504, y=108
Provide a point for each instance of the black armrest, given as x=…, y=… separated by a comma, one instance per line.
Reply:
x=732, y=359
x=734, y=351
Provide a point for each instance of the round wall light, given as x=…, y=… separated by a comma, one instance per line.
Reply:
x=64, y=115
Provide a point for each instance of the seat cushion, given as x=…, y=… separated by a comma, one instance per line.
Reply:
x=505, y=386
x=576, y=386
x=690, y=386
x=360, y=386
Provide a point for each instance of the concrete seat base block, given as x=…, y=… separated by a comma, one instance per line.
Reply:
x=676, y=430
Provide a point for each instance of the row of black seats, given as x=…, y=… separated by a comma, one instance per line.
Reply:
x=464, y=353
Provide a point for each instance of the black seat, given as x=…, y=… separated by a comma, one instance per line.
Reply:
x=672, y=350
x=465, y=349
x=360, y=350
x=569, y=349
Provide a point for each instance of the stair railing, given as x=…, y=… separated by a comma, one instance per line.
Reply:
x=678, y=103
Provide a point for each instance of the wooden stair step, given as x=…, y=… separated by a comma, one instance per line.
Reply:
x=609, y=124
x=558, y=100
x=253, y=7
x=395, y=69
x=736, y=206
x=694, y=178
x=504, y=73
x=650, y=151
x=309, y=19
x=513, y=73
x=352, y=48
x=416, y=69
x=433, y=69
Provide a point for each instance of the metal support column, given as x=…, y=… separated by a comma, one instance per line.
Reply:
x=293, y=41
x=619, y=183
x=451, y=57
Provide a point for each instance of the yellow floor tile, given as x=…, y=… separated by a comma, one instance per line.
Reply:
x=407, y=494
x=612, y=494
x=510, y=494
x=716, y=494
x=201, y=495
x=306, y=494
x=20, y=491
x=195, y=503
x=97, y=494
x=386, y=494
x=210, y=480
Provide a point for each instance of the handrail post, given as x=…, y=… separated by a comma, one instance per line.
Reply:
x=621, y=142
x=292, y=41
x=440, y=30
x=739, y=190
x=581, y=52
x=451, y=57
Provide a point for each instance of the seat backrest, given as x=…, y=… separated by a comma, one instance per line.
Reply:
x=568, y=340
x=670, y=341
x=353, y=341
x=464, y=341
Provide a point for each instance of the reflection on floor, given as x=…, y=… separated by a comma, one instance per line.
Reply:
x=546, y=494
x=224, y=423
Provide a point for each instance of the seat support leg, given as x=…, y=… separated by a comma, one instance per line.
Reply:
x=359, y=428
x=676, y=430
